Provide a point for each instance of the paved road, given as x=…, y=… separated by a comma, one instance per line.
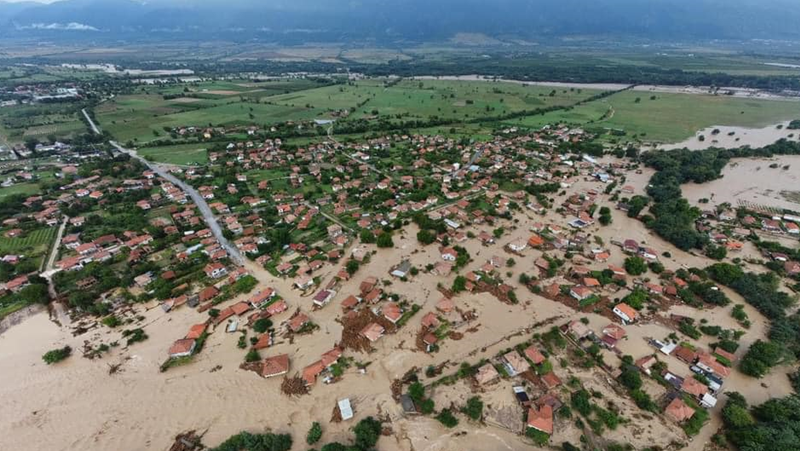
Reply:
x=201, y=203
x=91, y=122
x=51, y=259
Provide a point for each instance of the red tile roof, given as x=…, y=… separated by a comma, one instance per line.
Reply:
x=541, y=419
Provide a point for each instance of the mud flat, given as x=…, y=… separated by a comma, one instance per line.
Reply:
x=728, y=137
x=753, y=181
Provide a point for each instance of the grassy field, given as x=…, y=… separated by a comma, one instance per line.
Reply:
x=668, y=117
x=19, y=188
x=35, y=243
x=468, y=99
x=41, y=121
x=142, y=118
x=182, y=154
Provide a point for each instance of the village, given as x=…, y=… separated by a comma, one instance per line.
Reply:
x=511, y=283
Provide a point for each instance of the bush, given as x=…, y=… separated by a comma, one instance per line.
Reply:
x=474, y=408
x=262, y=325
x=427, y=406
x=111, y=321
x=581, y=402
x=416, y=391
x=256, y=442
x=367, y=237
x=538, y=437
x=335, y=446
x=635, y=266
x=447, y=418
x=352, y=266
x=134, y=336
x=426, y=237
x=367, y=432
x=314, y=434
x=631, y=378
x=252, y=356
x=385, y=240
x=57, y=355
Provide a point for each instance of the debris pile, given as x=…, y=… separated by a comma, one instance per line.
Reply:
x=354, y=323
x=336, y=415
x=187, y=441
x=294, y=386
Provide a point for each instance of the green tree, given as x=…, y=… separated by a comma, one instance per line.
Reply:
x=252, y=356
x=716, y=252
x=447, y=418
x=426, y=237
x=385, y=240
x=474, y=408
x=314, y=434
x=635, y=266
x=631, y=378
x=416, y=391
x=352, y=266
x=459, y=284
x=367, y=432
x=367, y=236
x=262, y=325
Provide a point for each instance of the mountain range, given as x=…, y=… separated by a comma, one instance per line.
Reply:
x=403, y=21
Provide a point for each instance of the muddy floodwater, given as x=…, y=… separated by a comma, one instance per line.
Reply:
x=731, y=137
x=772, y=182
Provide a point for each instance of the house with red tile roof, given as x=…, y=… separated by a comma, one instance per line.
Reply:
x=372, y=332
x=625, y=312
x=550, y=380
x=277, y=307
x=678, y=411
x=182, y=348
x=534, y=355
x=708, y=362
x=275, y=366
x=298, y=321
x=392, y=312
x=196, y=331
x=264, y=341
x=541, y=419
x=240, y=308
x=208, y=293
x=694, y=387
x=486, y=374
x=580, y=292
x=515, y=363
x=430, y=321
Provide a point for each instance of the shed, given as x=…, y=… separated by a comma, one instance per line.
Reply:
x=345, y=409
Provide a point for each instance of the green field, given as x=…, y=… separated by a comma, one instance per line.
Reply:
x=142, y=118
x=40, y=121
x=423, y=99
x=182, y=154
x=19, y=188
x=669, y=117
x=35, y=242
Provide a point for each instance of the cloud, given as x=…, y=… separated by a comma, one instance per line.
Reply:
x=72, y=26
